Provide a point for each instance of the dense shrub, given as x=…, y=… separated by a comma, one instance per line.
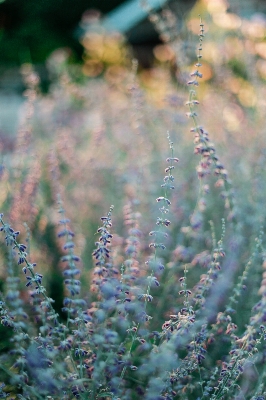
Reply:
x=172, y=303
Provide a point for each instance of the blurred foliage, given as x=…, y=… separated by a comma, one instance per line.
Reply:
x=99, y=137
x=31, y=30
x=92, y=131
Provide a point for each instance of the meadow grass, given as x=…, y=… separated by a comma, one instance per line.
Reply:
x=171, y=304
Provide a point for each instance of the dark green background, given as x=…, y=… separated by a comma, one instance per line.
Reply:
x=31, y=29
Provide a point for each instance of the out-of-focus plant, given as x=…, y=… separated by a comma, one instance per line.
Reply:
x=172, y=303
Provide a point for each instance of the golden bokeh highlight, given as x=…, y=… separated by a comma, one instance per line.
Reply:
x=231, y=119
x=101, y=51
x=261, y=68
x=247, y=95
x=253, y=29
x=163, y=52
x=216, y=6
x=227, y=20
x=261, y=49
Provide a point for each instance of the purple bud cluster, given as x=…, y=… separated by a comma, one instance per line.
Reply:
x=72, y=306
